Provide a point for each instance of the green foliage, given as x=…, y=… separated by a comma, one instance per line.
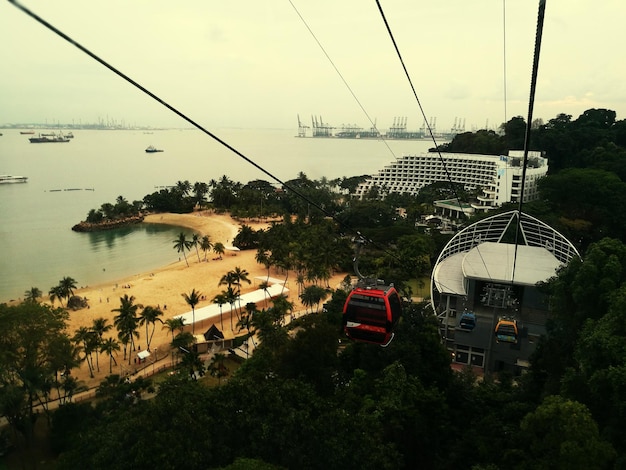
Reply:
x=561, y=434
x=63, y=290
x=251, y=464
x=34, y=350
x=589, y=215
x=247, y=238
x=311, y=356
x=121, y=209
x=583, y=357
x=69, y=422
x=480, y=142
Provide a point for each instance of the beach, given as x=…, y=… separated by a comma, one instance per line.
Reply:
x=164, y=287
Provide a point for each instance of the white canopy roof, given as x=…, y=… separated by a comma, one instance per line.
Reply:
x=269, y=280
x=498, y=262
x=212, y=311
x=143, y=354
x=494, y=262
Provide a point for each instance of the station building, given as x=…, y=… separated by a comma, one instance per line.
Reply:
x=482, y=273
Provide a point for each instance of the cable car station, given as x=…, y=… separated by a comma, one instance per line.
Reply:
x=484, y=290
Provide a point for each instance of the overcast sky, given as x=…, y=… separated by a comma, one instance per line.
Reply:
x=254, y=64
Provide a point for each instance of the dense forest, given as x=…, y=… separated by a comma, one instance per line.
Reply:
x=310, y=399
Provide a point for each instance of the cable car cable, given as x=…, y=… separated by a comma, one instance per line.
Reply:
x=143, y=89
x=342, y=78
x=531, y=104
x=430, y=131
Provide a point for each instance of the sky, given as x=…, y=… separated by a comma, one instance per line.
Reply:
x=259, y=64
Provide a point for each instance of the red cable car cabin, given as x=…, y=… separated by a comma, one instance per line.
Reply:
x=371, y=313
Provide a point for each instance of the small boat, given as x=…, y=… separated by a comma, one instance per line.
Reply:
x=153, y=149
x=27, y=132
x=45, y=139
x=8, y=179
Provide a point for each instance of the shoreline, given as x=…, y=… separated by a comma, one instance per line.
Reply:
x=164, y=288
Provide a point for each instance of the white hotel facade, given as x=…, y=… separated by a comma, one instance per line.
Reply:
x=498, y=176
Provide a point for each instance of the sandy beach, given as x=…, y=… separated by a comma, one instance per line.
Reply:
x=164, y=287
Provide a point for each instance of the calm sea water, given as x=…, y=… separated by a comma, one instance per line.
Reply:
x=36, y=241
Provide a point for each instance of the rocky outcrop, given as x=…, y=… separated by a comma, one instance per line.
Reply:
x=107, y=224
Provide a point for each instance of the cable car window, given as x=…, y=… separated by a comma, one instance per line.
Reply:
x=369, y=310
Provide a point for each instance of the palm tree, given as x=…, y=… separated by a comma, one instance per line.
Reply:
x=285, y=264
x=227, y=279
x=325, y=276
x=67, y=285
x=173, y=325
x=85, y=337
x=69, y=385
x=282, y=306
x=205, y=245
x=265, y=286
x=182, y=244
x=200, y=191
x=307, y=298
x=124, y=338
x=231, y=297
x=217, y=367
x=183, y=341
x=193, y=299
x=195, y=241
x=100, y=326
x=109, y=346
x=184, y=187
x=219, y=249
x=32, y=294
x=300, y=282
x=220, y=299
x=126, y=322
x=149, y=316
x=246, y=321
x=240, y=275
x=63, y=356
x=313, y=295
x=193, y=362
x=56, y=293
x=268, y=326
x=263, y=257
x=311, y=276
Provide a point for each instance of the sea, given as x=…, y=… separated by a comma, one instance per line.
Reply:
x=66, y=180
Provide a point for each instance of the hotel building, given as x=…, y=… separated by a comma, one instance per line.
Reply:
x=498, y=176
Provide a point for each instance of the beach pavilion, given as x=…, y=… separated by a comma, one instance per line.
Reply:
x=210, y=314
